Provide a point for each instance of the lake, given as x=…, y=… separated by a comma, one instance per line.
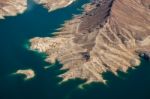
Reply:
x=37, y=22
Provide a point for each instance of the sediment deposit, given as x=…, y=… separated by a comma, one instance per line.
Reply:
x=12, y=7
x=110, y=35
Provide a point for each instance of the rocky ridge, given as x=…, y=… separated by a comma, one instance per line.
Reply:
x=109, y=36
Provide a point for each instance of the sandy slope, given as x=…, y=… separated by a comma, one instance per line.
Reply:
x=12, y=7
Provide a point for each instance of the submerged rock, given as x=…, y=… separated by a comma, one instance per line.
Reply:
x=145, y=55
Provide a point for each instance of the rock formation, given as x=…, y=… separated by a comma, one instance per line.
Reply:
x=12, y=7
x=54, y=4
x=110, y=35
x=29, y=73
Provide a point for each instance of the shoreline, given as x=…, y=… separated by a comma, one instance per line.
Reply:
x=12, y=8
x=51, y=5
x=79, y=50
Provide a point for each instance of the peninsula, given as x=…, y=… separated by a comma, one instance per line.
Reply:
x=12, y=7
x=54, y=4
x=110, y=35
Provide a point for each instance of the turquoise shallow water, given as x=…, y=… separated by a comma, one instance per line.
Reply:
x=36, y=21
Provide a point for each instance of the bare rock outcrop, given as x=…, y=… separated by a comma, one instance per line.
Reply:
x=28, y=73
x=107, y=37
x=12, y=7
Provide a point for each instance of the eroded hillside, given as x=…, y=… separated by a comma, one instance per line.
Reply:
x=109, y=36
x=12, y=7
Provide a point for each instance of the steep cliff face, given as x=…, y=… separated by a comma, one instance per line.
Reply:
x=109, y=36
x=54, y=4
x=12, y=7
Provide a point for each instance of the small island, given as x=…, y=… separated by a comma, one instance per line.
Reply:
x=29, y=73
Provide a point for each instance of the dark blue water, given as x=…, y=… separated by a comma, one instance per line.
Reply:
x=36, y=21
